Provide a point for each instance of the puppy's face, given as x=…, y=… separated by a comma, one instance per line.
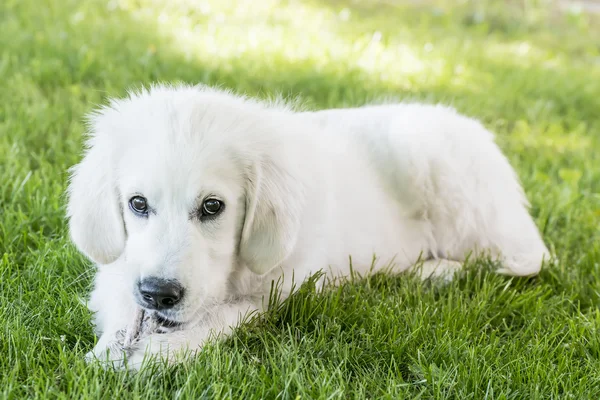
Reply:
x=181, y=186
x=183, y=212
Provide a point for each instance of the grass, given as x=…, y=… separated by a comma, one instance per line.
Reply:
x=528, y=70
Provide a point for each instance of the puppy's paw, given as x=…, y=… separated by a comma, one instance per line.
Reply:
x=439, y=271
x=169, y=348
x=109, y=352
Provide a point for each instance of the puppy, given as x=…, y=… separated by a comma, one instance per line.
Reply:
x=191, y=201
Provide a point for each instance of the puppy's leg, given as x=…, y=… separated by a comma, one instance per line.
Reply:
x=449, y=170
x=175, y=346
x=513, y=236
x=480, y=207
x=113, y=306
x=437, y=269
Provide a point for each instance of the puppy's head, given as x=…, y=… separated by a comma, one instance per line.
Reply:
x=182, y=186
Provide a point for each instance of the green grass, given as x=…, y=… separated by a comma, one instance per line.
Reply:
x=530, y=72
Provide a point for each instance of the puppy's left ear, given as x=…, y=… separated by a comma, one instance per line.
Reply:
x=274, y=202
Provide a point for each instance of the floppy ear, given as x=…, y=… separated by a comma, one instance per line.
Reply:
x=274, y=202
x=95, y=216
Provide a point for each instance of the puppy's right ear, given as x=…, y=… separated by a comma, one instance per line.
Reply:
x=274, y=201
x=95, y=216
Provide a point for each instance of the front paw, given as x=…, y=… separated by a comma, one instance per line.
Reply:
x=109, y=352
x=166, y=348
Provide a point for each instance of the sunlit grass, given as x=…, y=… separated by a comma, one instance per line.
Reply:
x=528, y=69
x=337, y=38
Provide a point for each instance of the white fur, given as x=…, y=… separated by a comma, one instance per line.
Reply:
x=304, y=191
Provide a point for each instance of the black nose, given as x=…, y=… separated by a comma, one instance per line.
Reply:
x=160, y=294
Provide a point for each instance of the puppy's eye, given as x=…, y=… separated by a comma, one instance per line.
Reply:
x=211, y=207
x=139, y=205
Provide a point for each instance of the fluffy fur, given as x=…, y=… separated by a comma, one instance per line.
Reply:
x=303, y=191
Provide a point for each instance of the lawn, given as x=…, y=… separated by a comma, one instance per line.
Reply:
x=529, y=70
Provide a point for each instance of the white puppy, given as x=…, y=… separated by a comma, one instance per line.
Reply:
x=192, y=200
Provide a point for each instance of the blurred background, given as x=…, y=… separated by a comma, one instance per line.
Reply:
x=325, y=50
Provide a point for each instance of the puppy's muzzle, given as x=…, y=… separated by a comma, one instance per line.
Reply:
x=159, y=294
